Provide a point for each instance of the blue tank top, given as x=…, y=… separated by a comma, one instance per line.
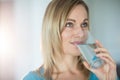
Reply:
x=35, y=76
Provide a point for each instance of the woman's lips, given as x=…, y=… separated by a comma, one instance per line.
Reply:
x=76, y=42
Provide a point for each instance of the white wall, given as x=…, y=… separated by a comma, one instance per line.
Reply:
x=29, y=15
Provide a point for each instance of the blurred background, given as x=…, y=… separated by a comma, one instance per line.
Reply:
x=20, y=33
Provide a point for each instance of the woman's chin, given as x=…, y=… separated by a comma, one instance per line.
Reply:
x=77, y=53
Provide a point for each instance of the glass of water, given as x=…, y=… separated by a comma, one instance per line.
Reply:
x=87, y=51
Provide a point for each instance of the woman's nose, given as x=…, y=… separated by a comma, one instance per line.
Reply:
x=79, y=31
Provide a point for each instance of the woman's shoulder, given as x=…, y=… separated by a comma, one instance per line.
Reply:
x=35, y=75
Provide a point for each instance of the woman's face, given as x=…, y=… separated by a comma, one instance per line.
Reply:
x=75, y=30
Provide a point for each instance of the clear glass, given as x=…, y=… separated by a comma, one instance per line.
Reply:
x=87, y=51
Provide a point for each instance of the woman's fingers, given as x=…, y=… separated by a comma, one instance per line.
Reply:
x=102, y=51
x=106, y=56
x=108, y=70
x=111, y=63
x=99, y=50
x=111, y=71
x=99, y=44
x=86, y=65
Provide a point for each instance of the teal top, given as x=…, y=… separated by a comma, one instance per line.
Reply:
x=35, y=76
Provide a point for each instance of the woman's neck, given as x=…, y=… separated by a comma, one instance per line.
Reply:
x=67, y=69
x=67, y=63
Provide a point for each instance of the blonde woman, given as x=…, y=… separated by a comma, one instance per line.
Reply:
x=64, y=26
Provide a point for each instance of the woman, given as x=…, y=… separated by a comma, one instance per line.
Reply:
x=64, y=25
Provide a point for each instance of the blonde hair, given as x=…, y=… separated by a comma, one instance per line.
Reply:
x=53, y=23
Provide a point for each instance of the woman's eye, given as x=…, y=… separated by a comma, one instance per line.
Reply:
x=69, y=24
x=84, y=25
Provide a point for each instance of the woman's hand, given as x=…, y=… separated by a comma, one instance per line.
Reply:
x=108, y=70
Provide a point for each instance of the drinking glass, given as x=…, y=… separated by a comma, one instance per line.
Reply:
x=87, y=51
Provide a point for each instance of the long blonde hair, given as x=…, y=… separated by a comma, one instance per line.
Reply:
x=53, y=23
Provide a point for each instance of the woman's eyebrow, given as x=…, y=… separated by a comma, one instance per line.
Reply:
x=71, y=20
x=85, y=19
